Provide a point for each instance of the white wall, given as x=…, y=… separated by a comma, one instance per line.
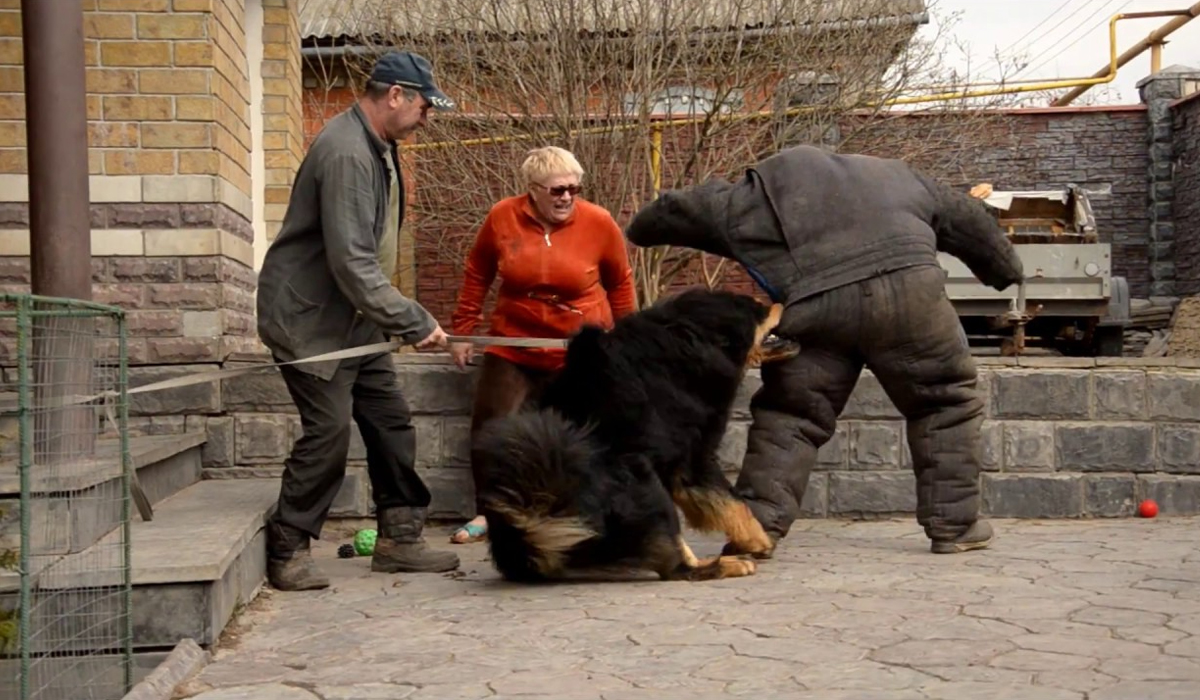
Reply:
x=258, y=176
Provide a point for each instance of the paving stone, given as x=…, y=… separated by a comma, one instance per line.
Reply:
x=1161, y=668
x=988, y=691
x=270, y=691
x=1080, y=681
x=864, y=675
x=1147, y=690
x=453, y=691
x=1026, y=660
x=567, y=685
x=957, y=652
x=1149, y=634
x=1054, y=610
x=365, y=691
x=1092, y=647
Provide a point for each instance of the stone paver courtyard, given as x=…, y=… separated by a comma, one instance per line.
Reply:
x=1056, y=610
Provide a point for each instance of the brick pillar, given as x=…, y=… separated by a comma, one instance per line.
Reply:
x=170, y=162
x=1158, y=91
x=282, y=109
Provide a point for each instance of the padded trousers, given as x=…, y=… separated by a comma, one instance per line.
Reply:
x=901, y=326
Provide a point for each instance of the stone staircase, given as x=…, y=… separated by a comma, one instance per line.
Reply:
x=200, y=557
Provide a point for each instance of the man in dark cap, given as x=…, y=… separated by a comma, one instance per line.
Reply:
x=849, y=244
x=325, y=285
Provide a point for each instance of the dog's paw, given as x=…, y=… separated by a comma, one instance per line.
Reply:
x=758, y=551
x=734, y=567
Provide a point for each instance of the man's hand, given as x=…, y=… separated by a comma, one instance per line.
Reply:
x=461, y=352
x=436, y=339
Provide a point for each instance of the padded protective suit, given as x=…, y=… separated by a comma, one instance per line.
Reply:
x=849, y=243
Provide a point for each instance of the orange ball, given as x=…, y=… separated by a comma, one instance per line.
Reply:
x=1148, y=509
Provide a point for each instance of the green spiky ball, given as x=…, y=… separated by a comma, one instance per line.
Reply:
x=364, y=542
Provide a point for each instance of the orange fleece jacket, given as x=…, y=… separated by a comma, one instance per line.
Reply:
x=550, y=284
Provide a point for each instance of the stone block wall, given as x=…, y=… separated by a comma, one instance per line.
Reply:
x=1186, y=207
x=1062, y=438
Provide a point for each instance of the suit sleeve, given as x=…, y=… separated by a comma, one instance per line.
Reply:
x=965, y=230
x=477, y=280
x=616, y=274
x=678, y=219
x=348, y=224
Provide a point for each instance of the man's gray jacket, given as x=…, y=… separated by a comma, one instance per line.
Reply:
x=321, y=288
x=805, y=221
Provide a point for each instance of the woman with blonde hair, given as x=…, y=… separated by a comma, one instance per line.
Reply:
x=562, y=262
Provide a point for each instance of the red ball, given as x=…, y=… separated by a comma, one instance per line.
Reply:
x=1148, y=509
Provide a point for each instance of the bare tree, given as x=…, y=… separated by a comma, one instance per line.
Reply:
x=687, y=89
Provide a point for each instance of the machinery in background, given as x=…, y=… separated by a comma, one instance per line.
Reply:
x=1070, y=301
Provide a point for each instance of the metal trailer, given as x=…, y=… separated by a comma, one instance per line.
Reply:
x=1070, y=300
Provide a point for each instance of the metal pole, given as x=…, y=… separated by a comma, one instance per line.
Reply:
x=59, y=224
x=56, y=133
x=1152, y=39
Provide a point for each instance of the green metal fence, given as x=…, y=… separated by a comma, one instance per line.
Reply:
x=66, y=630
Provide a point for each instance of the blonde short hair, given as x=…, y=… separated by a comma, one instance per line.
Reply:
x=548, y=161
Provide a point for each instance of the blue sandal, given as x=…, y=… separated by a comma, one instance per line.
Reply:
x=475, y=533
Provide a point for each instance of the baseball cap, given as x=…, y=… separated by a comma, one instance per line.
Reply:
x=411, y=70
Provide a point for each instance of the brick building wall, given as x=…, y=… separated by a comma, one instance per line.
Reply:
x=169, y=161
x=1186, y=207
x=169, y=124
x=283, y=127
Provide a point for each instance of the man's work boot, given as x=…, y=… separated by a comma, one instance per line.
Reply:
x=290, y=566
x=400, y=546
x=978, y=536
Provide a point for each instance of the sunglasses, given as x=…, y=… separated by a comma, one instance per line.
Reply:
x=561, y=189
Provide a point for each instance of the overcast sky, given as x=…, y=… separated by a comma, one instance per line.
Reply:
x=1062, y=38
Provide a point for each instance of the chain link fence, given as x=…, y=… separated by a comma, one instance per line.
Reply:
x=65, y=478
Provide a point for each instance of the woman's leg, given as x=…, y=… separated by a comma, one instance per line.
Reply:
x=503, y=386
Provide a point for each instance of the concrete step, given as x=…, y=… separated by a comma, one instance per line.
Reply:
x=79, y=502
x=202, y=557
x=95, y=676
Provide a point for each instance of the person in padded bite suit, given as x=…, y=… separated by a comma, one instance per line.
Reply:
x=848, y=243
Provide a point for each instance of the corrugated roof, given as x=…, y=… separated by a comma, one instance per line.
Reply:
x=333, y=19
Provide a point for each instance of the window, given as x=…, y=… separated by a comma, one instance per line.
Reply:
x=684, y=101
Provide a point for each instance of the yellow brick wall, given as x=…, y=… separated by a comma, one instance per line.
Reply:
x=283, y=130
x=168, y=89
